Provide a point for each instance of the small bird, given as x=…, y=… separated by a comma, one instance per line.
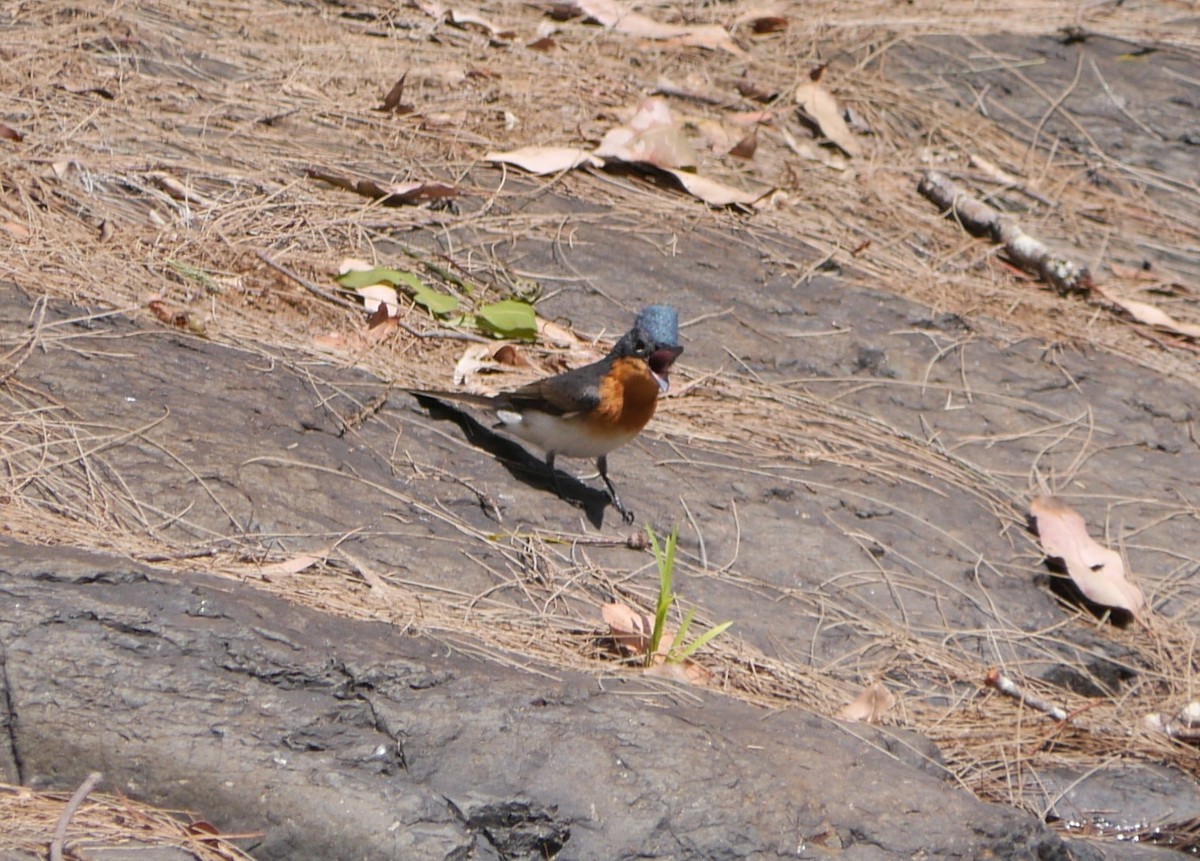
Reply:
x=589, y=411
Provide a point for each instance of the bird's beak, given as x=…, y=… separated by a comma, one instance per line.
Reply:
x=660, y=362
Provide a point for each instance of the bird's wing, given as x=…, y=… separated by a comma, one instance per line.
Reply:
x=572, y=392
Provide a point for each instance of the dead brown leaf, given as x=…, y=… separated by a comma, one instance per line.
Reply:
x=823, y=111
x=288, y=567
x=1099, y=572
x=378, y=297
x=178, y=319
x=619, y=18
x=630, y=629
x=393, y=102
x=469, y=20
x=542, y=160
x=747, y=146
x=1144, y=312
x=753, y=90
x=8, y=133
x=475, y=359
x=717, y=193
x=869, y=706
x=381, y=324
x=651, y=137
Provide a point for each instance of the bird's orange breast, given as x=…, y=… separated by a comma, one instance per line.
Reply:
x=628, y=396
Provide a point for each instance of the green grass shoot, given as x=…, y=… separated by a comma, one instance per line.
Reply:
x=664, y=556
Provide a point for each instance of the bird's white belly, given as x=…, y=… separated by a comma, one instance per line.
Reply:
x=567, y=437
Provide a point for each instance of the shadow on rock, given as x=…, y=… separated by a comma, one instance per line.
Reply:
x=522, y=465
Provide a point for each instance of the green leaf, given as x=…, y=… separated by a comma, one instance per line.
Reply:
x=681, y=635
x=509, y=318
x=366, y=277
x=665, y=560
x=691, y=648
x=437, y=303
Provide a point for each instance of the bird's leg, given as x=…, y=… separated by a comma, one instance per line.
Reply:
x=553, y=475
x=602, y=465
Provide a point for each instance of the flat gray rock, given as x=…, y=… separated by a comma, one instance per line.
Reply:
x=343, y=739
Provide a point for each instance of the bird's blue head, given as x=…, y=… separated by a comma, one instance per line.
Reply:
x=655, y=338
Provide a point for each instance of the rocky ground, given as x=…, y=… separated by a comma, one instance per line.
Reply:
x=247, y=575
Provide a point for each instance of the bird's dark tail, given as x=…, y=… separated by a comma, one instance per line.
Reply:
x=486, y=401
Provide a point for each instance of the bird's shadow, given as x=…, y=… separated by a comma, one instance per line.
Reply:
x=522, y=465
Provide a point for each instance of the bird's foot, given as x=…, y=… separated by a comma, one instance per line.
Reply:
x=626, y=514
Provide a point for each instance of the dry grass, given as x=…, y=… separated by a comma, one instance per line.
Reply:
x=28, y=820
x=235, y=100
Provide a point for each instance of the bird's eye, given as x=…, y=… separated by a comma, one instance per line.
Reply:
x=640, y=345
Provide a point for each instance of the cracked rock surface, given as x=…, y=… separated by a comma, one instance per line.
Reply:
x=346, y=739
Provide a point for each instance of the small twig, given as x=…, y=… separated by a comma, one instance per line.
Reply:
x=60, y=830
x=306, y=284
x=980, y=219
x=1005, y=685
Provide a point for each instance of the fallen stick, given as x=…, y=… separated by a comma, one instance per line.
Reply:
x=1025, y=251
x=1005, y=685
x=60, y=830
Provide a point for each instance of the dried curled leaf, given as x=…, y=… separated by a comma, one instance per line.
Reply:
x=376, y=296
x=869, y=706
x=651, y=137
x=822, y=108
x=631, y=630
x=1144, y=312
x=289, y=566
x=1099, y=572
x=717, y=193
x=542, y=160
x=615, y=15
x=179, y=319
